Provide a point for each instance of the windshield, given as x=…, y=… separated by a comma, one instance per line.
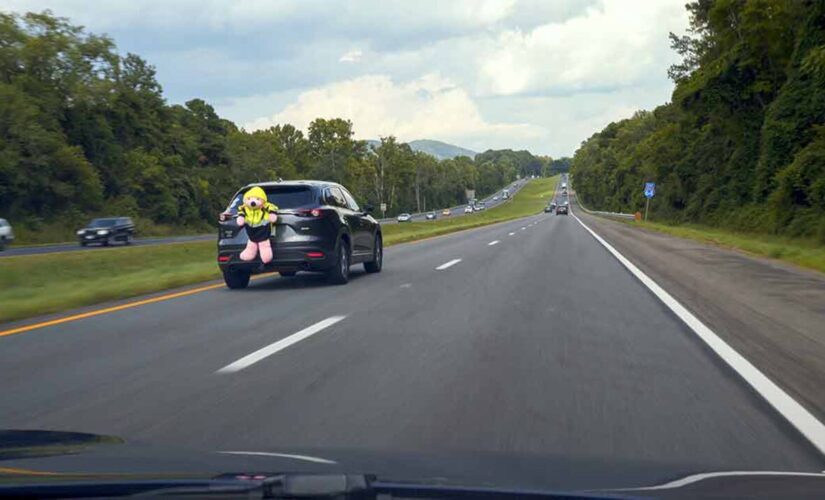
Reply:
x=103, y=222
x=644, y=299
x=284, y=197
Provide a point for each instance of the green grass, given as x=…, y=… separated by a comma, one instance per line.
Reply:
x=32, y=285
x=38, y=284
x=804, y=253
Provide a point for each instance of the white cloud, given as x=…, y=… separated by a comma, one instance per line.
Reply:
x=614, y=44
x=430, y=107
x=558, y=70
x=352, y=56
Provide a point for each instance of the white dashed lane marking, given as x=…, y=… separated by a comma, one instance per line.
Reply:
x=447, y=264
x=280, y=345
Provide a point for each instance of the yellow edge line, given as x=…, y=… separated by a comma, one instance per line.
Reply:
x=98, y=312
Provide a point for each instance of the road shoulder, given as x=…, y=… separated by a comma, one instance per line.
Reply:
x=771, y=313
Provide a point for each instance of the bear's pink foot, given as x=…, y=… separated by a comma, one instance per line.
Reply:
x=250, y=251
x=265, y=248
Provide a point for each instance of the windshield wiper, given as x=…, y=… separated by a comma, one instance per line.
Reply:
x=258, y=485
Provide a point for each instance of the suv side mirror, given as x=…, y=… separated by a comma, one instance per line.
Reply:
x=368, y=208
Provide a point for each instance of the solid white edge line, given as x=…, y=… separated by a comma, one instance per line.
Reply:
x=305, y=458
x=793, y=412
x=280, y=345
x=494, y=242
x=695, y=478
x=447, y=264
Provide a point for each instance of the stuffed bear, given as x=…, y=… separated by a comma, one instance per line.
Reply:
x=257, y=215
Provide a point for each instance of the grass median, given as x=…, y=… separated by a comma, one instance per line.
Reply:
x=32, y=285
x=801, y=252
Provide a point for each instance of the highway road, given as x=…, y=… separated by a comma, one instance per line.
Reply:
x=525, y=338
x=73, y=247
x=458, y=210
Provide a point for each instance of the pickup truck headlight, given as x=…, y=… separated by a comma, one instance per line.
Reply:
x=103, y=232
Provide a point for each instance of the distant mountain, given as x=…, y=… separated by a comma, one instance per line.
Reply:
x=440, y=150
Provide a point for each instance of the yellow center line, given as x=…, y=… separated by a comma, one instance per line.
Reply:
x=121, y=307
x=107, y=310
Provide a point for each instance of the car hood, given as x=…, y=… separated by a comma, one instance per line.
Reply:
x=42, y=457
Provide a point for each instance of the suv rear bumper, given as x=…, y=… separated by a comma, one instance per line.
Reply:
x=286, y=257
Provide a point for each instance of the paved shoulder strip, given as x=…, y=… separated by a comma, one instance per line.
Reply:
x=788, y=407
x=280, y=345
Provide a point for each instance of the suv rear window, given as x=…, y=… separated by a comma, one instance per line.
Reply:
x=282, y=197
x=103, y=222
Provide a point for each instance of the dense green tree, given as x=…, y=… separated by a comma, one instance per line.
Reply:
x=741, y=144
x=85, y=131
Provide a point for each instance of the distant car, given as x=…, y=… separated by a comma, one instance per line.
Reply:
x=561, y=209
x=553, y=205
x=566, y=203
x=6, y=233
x=430, y=216
x=480, y=206
x=548, y=209
x=404, y=218
x=446, y=212
x=495, y=198
x=468, y=209
x=106, y=231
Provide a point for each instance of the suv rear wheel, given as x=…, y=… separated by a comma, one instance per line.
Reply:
x=377, y=256
x=235, y=279
x=339, y=274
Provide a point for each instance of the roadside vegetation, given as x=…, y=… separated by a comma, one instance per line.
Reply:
x=741, y=145
x=86, y=131
x=32, y=285
x=801, y=252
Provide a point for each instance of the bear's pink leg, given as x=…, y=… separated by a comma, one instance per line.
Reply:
x=265, y=248
x=250, y=251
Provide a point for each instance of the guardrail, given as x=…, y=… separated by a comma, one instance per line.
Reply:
x=615, y=215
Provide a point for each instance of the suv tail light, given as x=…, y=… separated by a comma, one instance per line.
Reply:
x=315, y=212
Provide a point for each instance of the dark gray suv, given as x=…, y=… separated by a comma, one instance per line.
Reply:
x=320, y=227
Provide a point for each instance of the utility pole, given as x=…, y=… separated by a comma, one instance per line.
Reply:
x=417, y=190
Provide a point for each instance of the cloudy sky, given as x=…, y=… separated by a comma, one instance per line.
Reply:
x=541, y=75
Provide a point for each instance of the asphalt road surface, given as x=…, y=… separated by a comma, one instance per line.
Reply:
x=521, y=338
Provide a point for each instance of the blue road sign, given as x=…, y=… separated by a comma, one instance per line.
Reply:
x=650, y=189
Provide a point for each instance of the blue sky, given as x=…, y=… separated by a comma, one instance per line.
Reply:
x=525, y=74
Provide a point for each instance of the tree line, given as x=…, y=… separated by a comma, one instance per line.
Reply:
x=86, y=131
x=742, y=143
